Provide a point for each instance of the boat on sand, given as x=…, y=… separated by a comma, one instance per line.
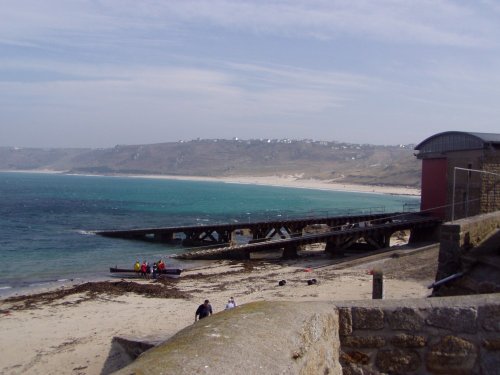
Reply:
x=130, y=273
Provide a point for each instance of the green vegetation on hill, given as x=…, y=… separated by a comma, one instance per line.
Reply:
x=343, y=162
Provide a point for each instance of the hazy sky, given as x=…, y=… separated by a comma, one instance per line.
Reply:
x=99, y=73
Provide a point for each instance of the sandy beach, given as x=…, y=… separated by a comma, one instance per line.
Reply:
x=70, y=330
x=292, y=181
x=298, y=182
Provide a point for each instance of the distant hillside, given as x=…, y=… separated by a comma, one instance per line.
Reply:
x=350, y=163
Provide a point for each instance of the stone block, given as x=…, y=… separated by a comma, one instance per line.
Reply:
x=455, y=319
x=345, y=321
x=409, y=341
x=492, y=344
x=367, y=318
x=489, y=317
x=397, y=361
x=490, y=362
x=406, y=319
x=363, y=342
x=351, y=369
x=451, y=355
x=354, y=356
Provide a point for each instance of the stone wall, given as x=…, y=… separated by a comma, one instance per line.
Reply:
x=453, y=335
x=490, y=186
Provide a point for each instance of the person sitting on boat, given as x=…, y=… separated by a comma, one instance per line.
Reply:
x=137, y=266
x=161, y=266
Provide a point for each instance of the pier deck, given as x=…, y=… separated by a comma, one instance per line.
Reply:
x=339, y=233
x=375, y=234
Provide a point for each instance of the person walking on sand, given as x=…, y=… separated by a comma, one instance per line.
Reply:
x=230, y=305
x=204, y=310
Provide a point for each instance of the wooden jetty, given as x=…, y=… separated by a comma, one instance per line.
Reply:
x=376, y=234
x=339, y=233
x=218, y=234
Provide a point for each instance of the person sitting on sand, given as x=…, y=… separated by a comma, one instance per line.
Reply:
x=233, y=301
x=204, y=310
x=137, y=266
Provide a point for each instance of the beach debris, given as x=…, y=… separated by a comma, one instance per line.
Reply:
x=308, y=269
x=282, y=282
x=92, y=290
x=312, y=282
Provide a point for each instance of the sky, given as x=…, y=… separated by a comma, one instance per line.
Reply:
x=97, y=73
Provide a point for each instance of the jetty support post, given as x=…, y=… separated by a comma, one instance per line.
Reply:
x=377, y=284
x=334, y=248
x=163, y=237
x=290, y=252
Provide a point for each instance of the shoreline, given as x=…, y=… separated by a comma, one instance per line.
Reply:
x=72, y=329
x=288, y=181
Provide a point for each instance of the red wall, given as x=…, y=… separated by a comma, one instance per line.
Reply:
x=434, y=186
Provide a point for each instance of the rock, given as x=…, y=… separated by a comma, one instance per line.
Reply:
x=451, y=355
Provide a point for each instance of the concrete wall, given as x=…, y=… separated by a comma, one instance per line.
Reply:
x=459, y=237
x=452, y=335
x=256, y=338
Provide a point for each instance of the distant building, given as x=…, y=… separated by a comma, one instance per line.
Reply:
x=474, y=185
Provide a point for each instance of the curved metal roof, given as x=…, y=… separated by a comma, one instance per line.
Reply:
x=455, y=140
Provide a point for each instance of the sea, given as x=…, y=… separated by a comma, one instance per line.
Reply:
x=47, y=221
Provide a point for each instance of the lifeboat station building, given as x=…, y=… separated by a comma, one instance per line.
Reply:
x=460, y=174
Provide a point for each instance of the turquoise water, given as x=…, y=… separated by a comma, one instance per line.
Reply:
x=46, y=219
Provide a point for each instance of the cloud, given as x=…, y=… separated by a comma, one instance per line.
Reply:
x=286, y=89
x=426, y=22
x=135, y=71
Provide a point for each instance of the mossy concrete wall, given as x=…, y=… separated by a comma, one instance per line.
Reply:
x=256, y=338
x=450, y=335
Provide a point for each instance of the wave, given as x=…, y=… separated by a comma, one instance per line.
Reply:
x=5, y=287
x=41, y=284
x=86, y=232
